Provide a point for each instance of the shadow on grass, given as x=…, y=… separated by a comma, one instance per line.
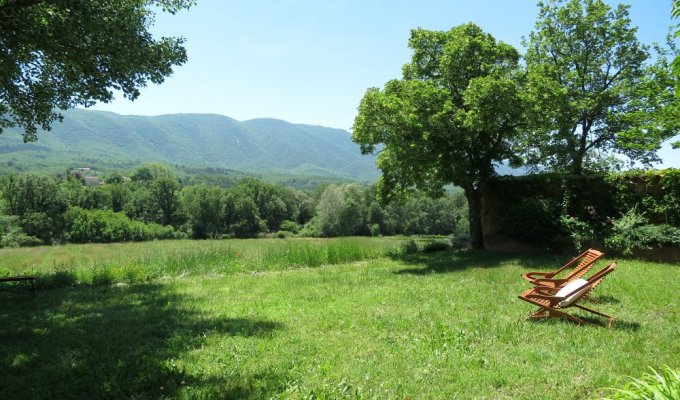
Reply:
x=452, y=261
x=114, y=342
x=606, y=299
x=592, y=321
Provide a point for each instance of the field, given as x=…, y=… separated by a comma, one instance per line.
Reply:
x=322, y=319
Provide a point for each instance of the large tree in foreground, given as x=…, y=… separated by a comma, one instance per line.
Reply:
x=451, y=117
x=675, y=13
x=59, y=54
x=595, y=90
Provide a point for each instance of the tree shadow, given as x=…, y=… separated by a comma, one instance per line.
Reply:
x=112, y=342
x=459, y=260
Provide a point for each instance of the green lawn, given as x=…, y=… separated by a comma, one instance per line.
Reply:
x=441, y=326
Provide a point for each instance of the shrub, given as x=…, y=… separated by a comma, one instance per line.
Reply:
x=460, y=240
x=284, y=234
x=311, y=228
x=579, y=232
x=290, y=226
x=11, y=234
x=375, y=230
x=435, y=246
x=659, y=235
x=408, y=247
x=623, y=238
x=670, y=202
x=545, y=208
x=632, y=232
x=17, y=238
x=105, y=226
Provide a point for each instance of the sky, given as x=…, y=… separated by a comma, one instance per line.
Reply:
x=311, y=61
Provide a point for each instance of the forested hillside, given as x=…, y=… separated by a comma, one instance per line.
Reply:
x=197, y=140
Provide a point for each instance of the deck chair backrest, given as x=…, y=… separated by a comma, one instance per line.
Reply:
x=587, y=260
x=577, y=289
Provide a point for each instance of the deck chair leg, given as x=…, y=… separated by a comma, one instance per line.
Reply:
x=546, y=313
x=610, y=319
x=540, y=313
x=575, y=319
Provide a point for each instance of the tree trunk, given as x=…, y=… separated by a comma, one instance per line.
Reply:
x=474, y=198
x=580, y=154
x=577, y=163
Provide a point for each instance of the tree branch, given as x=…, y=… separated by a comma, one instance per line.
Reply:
x=597, y=141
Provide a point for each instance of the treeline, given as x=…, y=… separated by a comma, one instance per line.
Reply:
x=152, y=203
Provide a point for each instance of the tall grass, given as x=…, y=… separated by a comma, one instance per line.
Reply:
x=661, y=385
x=208, y=257
x=313, y=254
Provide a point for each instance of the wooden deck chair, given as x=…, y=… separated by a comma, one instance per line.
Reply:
x=552, y=301
x=583, y=263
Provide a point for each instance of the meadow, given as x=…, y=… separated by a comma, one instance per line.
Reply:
x=317, y=319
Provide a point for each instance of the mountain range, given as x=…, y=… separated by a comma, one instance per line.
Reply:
x=260, y=146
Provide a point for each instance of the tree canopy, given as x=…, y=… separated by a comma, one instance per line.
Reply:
x=675, y=13
x=596, y=93
x=60, y=54
x=449, y=119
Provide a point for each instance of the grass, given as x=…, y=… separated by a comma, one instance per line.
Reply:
x=427, y=326
x=661, y=385
x=97, y=264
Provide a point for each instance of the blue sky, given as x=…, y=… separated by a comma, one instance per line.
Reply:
x=310, y=62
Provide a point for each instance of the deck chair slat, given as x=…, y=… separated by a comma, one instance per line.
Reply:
x=579, y=267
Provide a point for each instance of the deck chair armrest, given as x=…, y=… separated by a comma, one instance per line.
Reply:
x=556, y=282
x=546, y=289
x=550, y=298
x=532, y=276
x=538, y=275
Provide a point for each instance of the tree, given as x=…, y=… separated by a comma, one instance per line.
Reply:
x=63, y=53
x=142, y=174
x=39, y=203
x=275, y=204
x=205, y=208
x=593, y=90
x=341, y=211
x=154, y=196
x=241, y=215
x=675, y=13
x=139, y=204
x=119, y=195
x=676, y=61
x=306, y=207
x=165, y=196
x=452, y=116
x=115, y=178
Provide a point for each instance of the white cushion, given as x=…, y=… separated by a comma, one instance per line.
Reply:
x=572, y=286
